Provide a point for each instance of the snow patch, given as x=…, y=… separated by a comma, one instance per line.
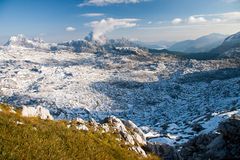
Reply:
x=217, y=118
x=164, y=140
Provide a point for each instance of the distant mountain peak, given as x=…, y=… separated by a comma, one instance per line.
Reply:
x=16, y=40
x=234, y=37
x=20, y=41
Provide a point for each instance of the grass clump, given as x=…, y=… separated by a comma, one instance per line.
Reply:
x=32, y=138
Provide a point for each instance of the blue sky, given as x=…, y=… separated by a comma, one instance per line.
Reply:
x=145, y=20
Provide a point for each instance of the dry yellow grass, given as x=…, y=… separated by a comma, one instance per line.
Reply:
x=52, y=140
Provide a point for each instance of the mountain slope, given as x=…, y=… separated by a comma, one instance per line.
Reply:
x=32, y=138
x=230, y=47
x=202, y=44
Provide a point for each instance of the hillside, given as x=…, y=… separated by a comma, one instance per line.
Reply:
x=201, y=44
x=33, y=138
x=229, y=48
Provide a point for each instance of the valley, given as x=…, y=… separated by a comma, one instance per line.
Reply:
x=166, y=95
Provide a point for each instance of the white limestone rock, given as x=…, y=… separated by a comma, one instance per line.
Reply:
x=80, y=120
x=82, y=127
x=138, y=134
x=39, y=111
x=139, y=150
x=105, y=128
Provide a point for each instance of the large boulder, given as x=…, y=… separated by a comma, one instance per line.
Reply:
x=39, y=111
x=138, y=134
x=82, y=127
x=127, y=129
x=115, y=123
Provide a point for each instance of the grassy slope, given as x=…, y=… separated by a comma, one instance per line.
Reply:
x=39, y=139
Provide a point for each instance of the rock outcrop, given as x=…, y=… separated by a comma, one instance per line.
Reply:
x=163, y=150
x=223, y=144
x=129, y=132
x=126, y=131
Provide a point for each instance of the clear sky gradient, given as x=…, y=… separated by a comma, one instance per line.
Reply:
x=150, y=20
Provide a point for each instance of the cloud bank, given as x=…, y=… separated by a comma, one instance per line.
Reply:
x=107, y=2
x=196, y=20
x=228, y=17
x=100, y=28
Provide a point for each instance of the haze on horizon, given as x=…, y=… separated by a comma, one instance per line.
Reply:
x=143, y=20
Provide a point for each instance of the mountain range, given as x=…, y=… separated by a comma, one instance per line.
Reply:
x=202, y=44
x=230, y=47
x=210, y=46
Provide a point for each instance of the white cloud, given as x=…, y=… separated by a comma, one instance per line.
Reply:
x=230, y=16
x=100, y=28
x=204, y=19
x=92, y=14
x=107, y=2
x=227, y=17
x=191, y=27
x=177, y=21
x=196, y=20
x=70, y=29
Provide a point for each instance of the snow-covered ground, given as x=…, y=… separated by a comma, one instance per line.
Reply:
x=165, y=95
